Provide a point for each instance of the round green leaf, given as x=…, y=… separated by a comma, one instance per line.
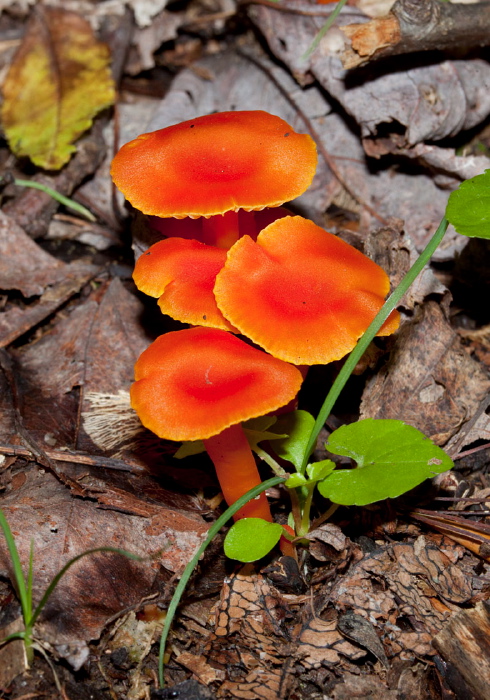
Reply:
x=468, y=208
x=250, y=539
x=392, y=458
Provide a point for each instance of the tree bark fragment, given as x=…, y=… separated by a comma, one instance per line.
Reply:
x=465, y=643
x=417, y=26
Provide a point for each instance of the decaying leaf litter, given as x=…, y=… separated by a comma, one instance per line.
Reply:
x=369, y=610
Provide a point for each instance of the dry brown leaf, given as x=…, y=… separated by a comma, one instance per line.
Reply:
x=27, y=268
x=98, y=587
x=430, y=381
x=58, y=81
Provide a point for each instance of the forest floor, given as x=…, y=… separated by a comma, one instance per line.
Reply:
x=373, y=606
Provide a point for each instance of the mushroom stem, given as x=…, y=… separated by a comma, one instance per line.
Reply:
x=221, y=230
x=237, y=471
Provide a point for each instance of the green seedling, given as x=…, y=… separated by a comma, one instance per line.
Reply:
x=386, y=452
x=24, y=585
x=391, y=457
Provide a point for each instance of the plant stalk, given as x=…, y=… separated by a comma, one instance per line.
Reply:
x=213, y=531
x=356, y=354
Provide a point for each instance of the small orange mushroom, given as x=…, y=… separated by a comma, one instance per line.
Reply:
x=200, y=384
x=182, y=271
x=301, y=293
x=215, y=165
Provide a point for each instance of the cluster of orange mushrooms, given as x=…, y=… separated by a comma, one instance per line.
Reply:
x=234, y=261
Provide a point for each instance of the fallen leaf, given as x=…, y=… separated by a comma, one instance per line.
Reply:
x=99, y=586
x=26, y=268
x=58, y=81
x=430, y=381
x=354, y=686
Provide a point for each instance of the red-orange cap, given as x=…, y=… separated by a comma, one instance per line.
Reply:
x=301, y=293
x=192, y=384
x=215, y=163
x=182, y=273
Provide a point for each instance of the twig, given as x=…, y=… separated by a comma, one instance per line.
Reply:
x=466, y=453
x=413, y=26
x=73, y=457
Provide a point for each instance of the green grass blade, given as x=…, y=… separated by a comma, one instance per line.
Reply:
x=68, y=203
x=319, y=36
x=213, y=531
x=30, y=577
x=17, y=567
x=361, y=347
x=49, y=590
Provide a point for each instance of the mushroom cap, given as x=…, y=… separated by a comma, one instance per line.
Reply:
x=192, y=384
x=301, y=293
x=182, y=273
x=215, y=163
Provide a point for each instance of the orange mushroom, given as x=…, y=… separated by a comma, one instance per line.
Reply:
x=301, y=293
x=182, y=271
x=215, y=165
x=200, y=384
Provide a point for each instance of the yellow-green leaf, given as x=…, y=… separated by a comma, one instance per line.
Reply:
x=58, y=81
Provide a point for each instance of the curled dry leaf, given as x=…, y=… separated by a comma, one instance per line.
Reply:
x=430, y=379
x=59, y=80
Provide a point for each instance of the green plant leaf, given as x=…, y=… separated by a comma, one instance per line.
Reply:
x=250, y=539
x=392, y=458
x=259, y=424
x=468, y=208
x=257, y=430
x=297, y=425
x=296, y=480
x=189, y=448
x=320, y=470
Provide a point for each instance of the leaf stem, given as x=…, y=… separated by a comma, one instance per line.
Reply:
x=213, y=531
x=305, y=519
x=356, y=354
